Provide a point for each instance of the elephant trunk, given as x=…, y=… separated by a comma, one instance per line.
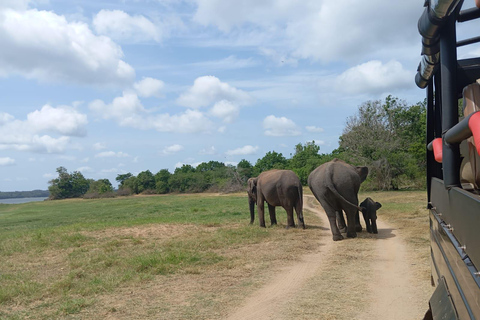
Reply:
x=251, y=203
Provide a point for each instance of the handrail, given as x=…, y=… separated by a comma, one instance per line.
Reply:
x=468, y=127
x=433, y=18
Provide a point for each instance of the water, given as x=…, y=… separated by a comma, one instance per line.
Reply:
x=21, y=200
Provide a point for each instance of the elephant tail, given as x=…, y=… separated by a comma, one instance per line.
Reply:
x=330, y=186
x=342, y=199
x=299, y=206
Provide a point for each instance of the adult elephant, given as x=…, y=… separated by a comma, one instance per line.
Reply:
x=277, y=188
x=335, y=184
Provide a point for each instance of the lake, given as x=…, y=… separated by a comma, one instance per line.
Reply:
x=21, y=200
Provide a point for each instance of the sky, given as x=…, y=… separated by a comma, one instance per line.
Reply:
x=109, y=87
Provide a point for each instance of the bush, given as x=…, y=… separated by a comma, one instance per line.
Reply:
x=123, y=192
x=96, y=195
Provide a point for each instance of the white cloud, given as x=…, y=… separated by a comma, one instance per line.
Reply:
x=63, y=120
x=191, y=121
x=208, y=151
x=85, y=169
x=28, y=135
x=119, y=25
x=208, y=90
x=374, y=77
x=314, y=129
x=149, y=87
x=7, y=161
x=5, y=118
x=42, y=45
x=99, y=146
x=278, y=127
x=305, y=30
x=245, y=150
x=225, y=110
x=49, y=175
x=15, y=4
x=227, y=14
x=172, y=149
x=281, y=59
x=230, y=62
x=111, y=154
x=128, y=111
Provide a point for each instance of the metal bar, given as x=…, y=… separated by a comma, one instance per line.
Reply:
x=468, y=14
x=466, y=42
x=448, y=66
x=459, y=132
x=430, y=136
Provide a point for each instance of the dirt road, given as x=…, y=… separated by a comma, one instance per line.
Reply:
x=375, y=272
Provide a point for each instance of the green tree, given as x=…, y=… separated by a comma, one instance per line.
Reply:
x=68, y=185
x=121, y=179
x=146, y=181
x=388, y=136
x=130, y=185
x=161, y=181
x=210, y=166
x=244, y=170
x=305, y=160
x=100, y=186
x=271, y=160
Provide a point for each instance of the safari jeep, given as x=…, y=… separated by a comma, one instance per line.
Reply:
x=453, y=160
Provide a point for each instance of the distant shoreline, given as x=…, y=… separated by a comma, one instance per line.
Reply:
x=24, y=194
x=22, y=200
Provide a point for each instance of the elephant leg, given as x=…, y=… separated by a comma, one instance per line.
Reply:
x=273, y=216
x=358, y=226
x=332, y=218
x=261, y=212
x=351, y=233
x=290, y=221
x=299, y=211
x=341, y=221
x=367, y=222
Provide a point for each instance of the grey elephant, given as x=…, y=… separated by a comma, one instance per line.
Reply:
x=335, y=185
x=369, y=211
x=277, y=188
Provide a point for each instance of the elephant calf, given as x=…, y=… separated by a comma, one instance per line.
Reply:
x=277, y=188
x=369, y=211
x=335, y=184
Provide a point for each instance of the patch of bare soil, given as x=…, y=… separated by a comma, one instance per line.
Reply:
x=268, y=301
x=370, y=277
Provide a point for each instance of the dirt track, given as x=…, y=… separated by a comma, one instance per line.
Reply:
x=391, y=293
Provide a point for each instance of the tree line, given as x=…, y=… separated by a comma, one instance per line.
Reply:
x=24, y=194
x=387, y=136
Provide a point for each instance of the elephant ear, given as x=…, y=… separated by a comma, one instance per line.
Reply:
x=362, y=172
x=364, y=210
x=378, y=204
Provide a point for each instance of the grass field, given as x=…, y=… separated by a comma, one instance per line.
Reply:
x=85, y=258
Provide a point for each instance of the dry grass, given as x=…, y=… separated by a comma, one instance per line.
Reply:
x=116, y=271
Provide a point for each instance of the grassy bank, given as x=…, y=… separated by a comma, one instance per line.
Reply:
x=179, y=256
x=63, y=257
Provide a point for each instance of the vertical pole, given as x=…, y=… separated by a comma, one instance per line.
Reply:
x=430, y=136
x=448, y=66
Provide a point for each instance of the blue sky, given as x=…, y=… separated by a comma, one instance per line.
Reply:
x=110, y=87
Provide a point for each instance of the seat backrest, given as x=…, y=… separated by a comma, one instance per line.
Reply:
x=471, y=104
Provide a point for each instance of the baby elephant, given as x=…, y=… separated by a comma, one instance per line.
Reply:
x=369, y=211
